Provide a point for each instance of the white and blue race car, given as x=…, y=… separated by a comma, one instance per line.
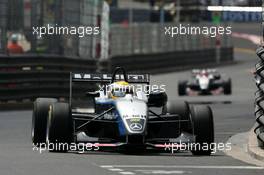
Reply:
x=121, y=118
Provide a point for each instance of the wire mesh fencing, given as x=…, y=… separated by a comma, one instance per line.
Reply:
x=55, y=13
x=3, y=23
x=151, y=38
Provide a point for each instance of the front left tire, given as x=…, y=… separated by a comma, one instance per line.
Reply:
x=60, y=127
x=39, y=119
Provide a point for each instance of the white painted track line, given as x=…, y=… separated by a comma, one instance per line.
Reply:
x=186, y=166
x=126, y=173
x=120, y=171
x=115, y=169
x=106, y=166
x=161, y=172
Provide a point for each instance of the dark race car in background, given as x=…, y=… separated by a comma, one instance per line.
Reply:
x=205, y=82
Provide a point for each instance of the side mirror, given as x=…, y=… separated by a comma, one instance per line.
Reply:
x=157, y=99
x=93, y=94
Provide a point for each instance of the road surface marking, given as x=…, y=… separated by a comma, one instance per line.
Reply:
x=126, y=172
x=161, y=172
x=115, y=169
x=106, y=166
x=111, y=168
x=187, y=166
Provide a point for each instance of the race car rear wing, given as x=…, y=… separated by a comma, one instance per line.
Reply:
x=197, y=71
x=106, y=78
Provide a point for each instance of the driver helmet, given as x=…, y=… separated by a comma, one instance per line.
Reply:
x=120, y=89
x=204, y=72
x=14, y=38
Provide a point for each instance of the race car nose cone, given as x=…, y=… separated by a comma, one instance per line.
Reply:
x=136, y=126
x=204, y=83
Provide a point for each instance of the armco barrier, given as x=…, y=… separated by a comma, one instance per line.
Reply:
x=164, y=62
x=32, y=76
x=259, y=97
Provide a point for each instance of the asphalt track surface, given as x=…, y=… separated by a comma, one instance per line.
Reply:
x=17, y=156
x=246, y=28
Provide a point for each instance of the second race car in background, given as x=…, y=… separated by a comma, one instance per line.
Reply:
x=205, y=82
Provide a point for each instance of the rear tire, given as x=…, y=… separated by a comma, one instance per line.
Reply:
x=203, y=127
x=182, y=88
x=60, y=127
x=39, y=119
x=228, y=87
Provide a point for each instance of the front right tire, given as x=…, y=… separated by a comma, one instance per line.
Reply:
x=228, y=87
x=203, y=129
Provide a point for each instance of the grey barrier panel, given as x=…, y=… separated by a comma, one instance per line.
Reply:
x=32, y=76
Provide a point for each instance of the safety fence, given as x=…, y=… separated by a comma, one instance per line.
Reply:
x=30, y=76
x=152, y=38
x=20, y=16
x=147, y=47
x=169, y=61
x=115, y=39
x=27, y=77
x=259, y=97
x=136, y=47
x=3, y=24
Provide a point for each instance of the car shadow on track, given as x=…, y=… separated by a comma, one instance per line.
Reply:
x=147, y=153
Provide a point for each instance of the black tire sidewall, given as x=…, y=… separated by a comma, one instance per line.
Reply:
x=182, y=88
x=182, y=109
x=60, y=126
x=39, y=119
x=228, y=87
x=178, y=107
x=203, y=127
